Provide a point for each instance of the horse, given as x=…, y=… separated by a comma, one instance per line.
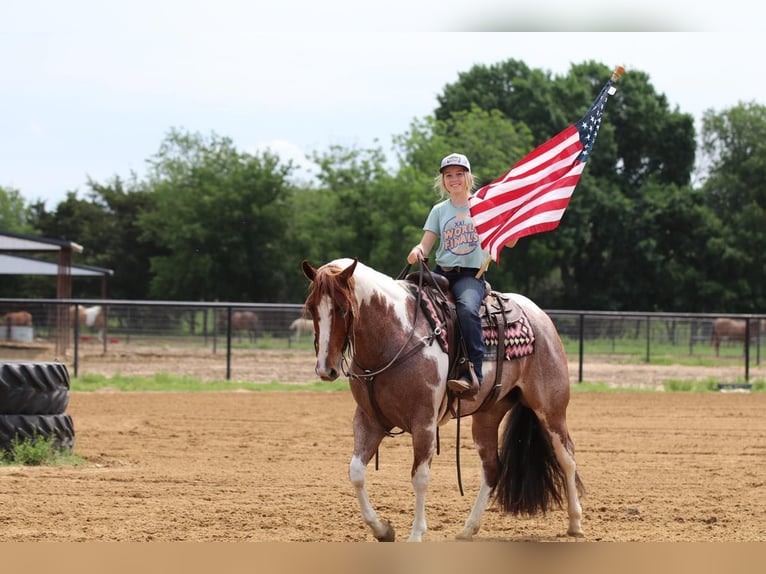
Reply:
x=398, y=380
x=91, y=317
x=734, y=330
x=300, y=326
x=17, y=319
x=246, y=321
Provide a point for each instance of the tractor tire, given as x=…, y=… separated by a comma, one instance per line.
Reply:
x=33, y=388
x=59, y=429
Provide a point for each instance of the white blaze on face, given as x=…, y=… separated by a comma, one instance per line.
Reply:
x=324, y=319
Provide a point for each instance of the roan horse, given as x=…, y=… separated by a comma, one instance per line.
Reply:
x=371, y=328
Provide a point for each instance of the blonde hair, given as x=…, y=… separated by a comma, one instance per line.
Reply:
x=441, y=190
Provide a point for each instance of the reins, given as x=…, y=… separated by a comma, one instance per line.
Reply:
x=368, y=376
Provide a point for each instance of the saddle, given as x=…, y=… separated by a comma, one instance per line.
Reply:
x=504, y=324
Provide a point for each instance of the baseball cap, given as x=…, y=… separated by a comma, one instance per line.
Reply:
x=455, y=159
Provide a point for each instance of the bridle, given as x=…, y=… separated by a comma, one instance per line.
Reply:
x=367, y=376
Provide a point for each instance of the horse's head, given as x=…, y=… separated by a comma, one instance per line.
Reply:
x=332, y=306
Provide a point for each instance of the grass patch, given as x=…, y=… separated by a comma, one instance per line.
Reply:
x=600, y=387
x=684, y=386
x=37, y=451
x=165, y=382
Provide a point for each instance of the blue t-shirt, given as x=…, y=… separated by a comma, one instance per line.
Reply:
x=458, y=239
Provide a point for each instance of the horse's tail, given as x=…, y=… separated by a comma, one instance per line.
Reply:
x=530, y=480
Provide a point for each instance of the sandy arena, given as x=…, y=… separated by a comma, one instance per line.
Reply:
x=272, y=466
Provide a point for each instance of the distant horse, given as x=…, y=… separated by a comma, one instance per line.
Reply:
x=241, y=321
x=301, y=326
x=375, y=330
x=725, y=329
x=91, y=317
x=16, y=319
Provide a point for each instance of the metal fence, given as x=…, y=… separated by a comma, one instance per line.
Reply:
x=587, y=335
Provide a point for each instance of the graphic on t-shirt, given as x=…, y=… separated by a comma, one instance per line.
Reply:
x=459, y=235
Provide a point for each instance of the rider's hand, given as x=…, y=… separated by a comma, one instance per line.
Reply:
x=416, y=253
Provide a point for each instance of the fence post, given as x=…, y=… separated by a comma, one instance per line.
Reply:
x=582, y=345
x=228, y=343
x=747, y=349
x=648, y=338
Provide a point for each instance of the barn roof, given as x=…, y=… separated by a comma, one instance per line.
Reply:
x=32, y=244
x=25, y=265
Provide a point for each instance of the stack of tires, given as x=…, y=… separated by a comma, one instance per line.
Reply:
x=33, y=401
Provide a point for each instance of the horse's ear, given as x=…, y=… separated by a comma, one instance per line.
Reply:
x=346, y=274
x=308, y=270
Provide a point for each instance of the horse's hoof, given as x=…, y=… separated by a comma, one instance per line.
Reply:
x=575, y=533
x=465, y=536
x=389, y=535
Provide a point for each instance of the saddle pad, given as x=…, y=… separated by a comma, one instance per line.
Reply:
x=518, y=338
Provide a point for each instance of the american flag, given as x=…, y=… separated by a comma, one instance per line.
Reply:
x=532, y=196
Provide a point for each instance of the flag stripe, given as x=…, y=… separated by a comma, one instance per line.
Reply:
x=532, y=196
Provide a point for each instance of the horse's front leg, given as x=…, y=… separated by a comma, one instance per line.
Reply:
x=367, y=437
x=423, y=446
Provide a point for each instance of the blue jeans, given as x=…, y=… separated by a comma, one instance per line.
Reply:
x=469, y=293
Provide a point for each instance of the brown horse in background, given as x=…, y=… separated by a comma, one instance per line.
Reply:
x=370, y=328
x=725, y=329
x=17, y=319
x=241, y=321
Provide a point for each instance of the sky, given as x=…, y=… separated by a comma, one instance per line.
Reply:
x=90, y=89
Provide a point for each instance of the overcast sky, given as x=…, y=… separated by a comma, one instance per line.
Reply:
x=91, y=88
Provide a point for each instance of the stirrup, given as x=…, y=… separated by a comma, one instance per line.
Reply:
x=460, y=385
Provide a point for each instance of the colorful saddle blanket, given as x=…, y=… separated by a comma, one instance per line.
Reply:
x=517, y=337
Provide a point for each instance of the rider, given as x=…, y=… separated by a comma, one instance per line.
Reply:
x=459, y=258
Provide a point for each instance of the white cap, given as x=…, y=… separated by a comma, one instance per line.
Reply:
x=455, y=159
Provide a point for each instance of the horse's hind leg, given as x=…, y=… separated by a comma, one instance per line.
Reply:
x=367, y=438
x=485, y=439
x=563, y=449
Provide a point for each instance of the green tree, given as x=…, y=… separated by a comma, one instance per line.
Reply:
x=734, y=152
x=220, y=217
x=14, y=212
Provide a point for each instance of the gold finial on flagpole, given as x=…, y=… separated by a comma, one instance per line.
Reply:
x=619, y=71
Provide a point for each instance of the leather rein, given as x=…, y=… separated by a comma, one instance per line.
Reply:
x=368, y=375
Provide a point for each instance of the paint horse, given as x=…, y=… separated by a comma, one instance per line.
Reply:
x=373, y=329
x=91, y=317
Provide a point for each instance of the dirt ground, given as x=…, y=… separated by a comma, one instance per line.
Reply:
x=273, y=466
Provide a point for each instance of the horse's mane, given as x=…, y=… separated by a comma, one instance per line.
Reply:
x=326, y=283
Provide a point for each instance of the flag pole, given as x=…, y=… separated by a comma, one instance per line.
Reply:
x=618, y=71
x=483, y=267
